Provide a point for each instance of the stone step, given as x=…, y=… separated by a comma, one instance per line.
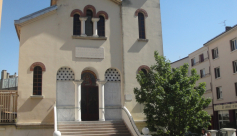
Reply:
x=105, y=128
x=92, y=129
x=102, y=134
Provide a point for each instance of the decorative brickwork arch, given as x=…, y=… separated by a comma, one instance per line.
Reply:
x=76, y=11
x=141, y=11
x=92, y=8
x=143, y=67
x=37, y=64
x=103, y=13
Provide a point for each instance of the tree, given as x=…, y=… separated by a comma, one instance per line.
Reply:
x=172, y=103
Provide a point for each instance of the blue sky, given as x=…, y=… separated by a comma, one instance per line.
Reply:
x=186, y=25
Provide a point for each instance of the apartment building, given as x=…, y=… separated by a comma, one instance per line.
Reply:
x=199, y=60
x=223, y=66
x=216, y=63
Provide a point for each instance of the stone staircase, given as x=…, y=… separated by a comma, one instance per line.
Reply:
x=93, y=128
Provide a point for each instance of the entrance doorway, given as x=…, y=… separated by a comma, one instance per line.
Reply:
x=89, y=97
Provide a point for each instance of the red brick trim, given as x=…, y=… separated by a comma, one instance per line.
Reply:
x=142, y=11
x=91, y=8
x=103, y=13
x=76, y=11
x=143, y=67
x=37, y=64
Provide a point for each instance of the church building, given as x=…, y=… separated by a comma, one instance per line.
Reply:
x=82, y=57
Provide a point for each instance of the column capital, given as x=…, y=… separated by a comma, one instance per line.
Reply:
x=83, y=18
x=101, y=82
x=95, y=19
x=78, y=82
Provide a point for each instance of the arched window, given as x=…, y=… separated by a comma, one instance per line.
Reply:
x=101, y=26
x=89, y=23
x=144, y=71
x=37, y=81
x=141, y=23
x=76, y=25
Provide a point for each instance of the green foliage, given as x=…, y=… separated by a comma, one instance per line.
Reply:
x=173, y=104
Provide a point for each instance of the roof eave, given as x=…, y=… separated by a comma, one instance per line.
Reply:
x=220, y=35
x=33, y=17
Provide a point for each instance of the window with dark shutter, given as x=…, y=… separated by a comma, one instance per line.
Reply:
x=236, y=89
x=201, y=58
x=89, y=23
x=212, y=51
x=218, y=92
x=233, y=44
x=101, y=26
x=234, y=63
x=141, y=23
x=37, y=81
x=76, y=25
x=217, y=72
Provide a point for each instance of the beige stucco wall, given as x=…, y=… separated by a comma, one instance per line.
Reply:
x=11, y=130
x=179, y=63
x=137, y=53
x=49, y=40
x=224, y=61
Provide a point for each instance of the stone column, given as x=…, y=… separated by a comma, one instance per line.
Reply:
x=95, y=30
x=83, y=25
x=78, y=99
x=101, y=100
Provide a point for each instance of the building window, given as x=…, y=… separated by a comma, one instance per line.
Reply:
x=201, y=58
x=141, y=23
x=215, y=53
x=218, y=92
x=224, y=119
x=76, y=25
x=217, y=72
x=89, y=23
x=233, y=45
x=234, y=66
x=193, y=61
x=101, y=26
x=236, y=90
x=37, y=81
x=202, y=73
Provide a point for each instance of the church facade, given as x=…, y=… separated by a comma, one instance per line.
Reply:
x=83, y=57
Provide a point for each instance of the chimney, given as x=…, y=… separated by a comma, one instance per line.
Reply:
x=8, y=75
x=4, y=74
x=227, y=28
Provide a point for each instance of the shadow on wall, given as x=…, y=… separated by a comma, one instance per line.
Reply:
x=29, y=105
x=138, y=108
x=50, y=116
x=134, y=3
x=137, y=47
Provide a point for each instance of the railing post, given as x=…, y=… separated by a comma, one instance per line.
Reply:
x=56, y=132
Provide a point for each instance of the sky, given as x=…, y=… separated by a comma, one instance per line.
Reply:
x=186, y=26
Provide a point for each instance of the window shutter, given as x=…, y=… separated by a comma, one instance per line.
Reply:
x=231, y=45
x=217, y=93
x=212, y=53
x=201, y=73
x=236, y=89
x=233, y=63
x=215, y=72
x=218, y=71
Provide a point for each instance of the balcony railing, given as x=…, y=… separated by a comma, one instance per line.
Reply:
x=8, y=106
x=9, y=83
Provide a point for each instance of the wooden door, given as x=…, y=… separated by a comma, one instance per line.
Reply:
x=90, y=103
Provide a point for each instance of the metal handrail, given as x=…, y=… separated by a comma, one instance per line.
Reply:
x=131, y=120
x=55, y=119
